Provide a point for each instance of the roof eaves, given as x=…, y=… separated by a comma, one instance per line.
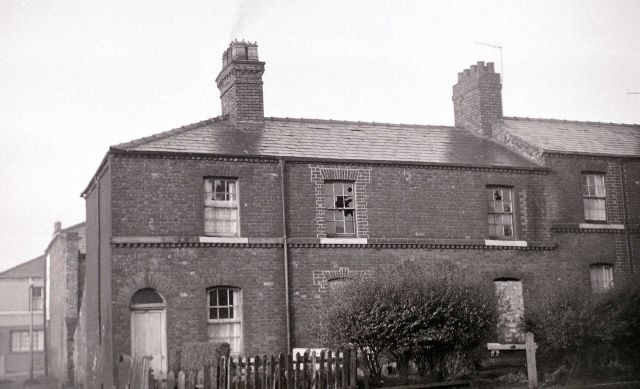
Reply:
x=534, y=167
x=524, y=118
x=586, y=154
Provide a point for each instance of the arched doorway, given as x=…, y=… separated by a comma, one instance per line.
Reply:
x=148, y=328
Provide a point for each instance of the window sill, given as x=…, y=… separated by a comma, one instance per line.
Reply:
x=603, y=226
x=222, y=239
x=505, y=243
x=343, y=240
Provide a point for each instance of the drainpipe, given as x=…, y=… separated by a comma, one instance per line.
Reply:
x=286, y=251
x=625, y=219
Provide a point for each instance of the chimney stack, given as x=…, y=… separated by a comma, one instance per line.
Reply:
x=477, y=98
x=240, y=83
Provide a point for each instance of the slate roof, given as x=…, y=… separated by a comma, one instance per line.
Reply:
x=32, y=268
x=334, y=140
x=562, y=136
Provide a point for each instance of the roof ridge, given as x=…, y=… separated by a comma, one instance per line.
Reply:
x=571, y=121
x=377, y=124
x=165, y=134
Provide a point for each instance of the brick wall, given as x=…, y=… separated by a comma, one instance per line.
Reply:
x=404, y=202
x=93, y=341
x=165, y=197
x=536, y=269
x=182, y=276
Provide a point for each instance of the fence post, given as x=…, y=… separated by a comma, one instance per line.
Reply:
x=532, y=372
x=353, y=369
x=181, y=380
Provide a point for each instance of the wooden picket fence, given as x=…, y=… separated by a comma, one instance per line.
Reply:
x=326, y=370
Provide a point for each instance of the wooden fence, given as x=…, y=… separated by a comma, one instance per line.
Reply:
x=326, y=370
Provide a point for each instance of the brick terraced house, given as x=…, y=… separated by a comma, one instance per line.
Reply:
x=234, y=228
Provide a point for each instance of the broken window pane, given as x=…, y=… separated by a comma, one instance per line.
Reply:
x=339, y=208
x=500, y=217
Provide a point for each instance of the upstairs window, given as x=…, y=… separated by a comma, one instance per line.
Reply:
x=221, y=206
x=340, y=209
x=225, y=316
x=500, y=218
x=37, y=298
x=593, y=197
x=601, y=278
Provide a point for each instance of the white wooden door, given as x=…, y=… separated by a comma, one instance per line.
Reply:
x=148, y=338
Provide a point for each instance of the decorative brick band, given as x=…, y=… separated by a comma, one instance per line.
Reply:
x=190, y=156
x=191, y=244
x=325, y=162
x=424, y=246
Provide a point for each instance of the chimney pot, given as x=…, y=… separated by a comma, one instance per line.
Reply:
x=240, y=83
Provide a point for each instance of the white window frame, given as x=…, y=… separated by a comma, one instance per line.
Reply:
x=330, y=206
x=23, y=345
x=236, y=308
x=594, y=194
x=232, y=203
x=502, y=209
x=604, y=283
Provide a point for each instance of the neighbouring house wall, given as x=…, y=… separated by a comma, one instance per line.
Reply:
x=64, y=255
x=15, y=316
x=94, y=340
x=566, y=207
x=19, y=362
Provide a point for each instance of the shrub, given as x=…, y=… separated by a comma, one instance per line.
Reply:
x=588, y=331
x=194, y=355
x=435, y=318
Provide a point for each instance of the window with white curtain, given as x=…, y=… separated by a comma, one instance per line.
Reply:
x=601, y=278
x=594, y=197
x=221, y=206
x=225, y=316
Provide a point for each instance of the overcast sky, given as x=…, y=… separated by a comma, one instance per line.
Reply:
x=78, y=76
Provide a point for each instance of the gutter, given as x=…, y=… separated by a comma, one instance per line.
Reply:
x=285, y=249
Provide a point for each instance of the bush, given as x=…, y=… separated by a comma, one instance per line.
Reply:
x=195, y=355
x=587, y=331
x=435, y=318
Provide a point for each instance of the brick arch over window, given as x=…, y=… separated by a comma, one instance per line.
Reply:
x=360, y=176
